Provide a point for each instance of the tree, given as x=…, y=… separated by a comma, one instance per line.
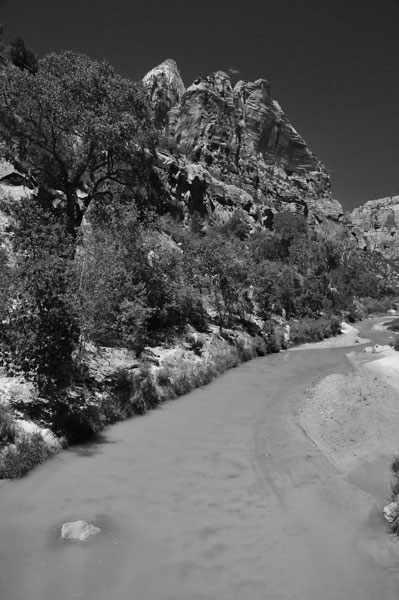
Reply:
x=40, y=329
x=134, y=283
x=224, y=266
x=77, y=126
x=277, y=289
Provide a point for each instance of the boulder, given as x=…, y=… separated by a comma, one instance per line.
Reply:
x=79, y=531
x=391, y=511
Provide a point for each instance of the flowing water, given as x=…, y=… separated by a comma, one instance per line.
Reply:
x=217, y=495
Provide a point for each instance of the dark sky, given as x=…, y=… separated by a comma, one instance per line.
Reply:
x=333, y=65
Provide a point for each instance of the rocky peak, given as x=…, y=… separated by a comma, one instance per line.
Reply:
x=165, y=87
x=236, y=146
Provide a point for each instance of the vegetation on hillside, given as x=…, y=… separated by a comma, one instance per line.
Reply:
x=131, y=273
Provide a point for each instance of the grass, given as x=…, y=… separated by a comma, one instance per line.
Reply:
x=394, y=525
x=27, y=452
x=7, y=427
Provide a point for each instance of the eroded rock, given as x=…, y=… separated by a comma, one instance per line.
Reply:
x=375, y=225
x=231, y=147
x=391, y=512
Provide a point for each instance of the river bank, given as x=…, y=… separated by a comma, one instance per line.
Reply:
x=218, y=494
x=353, y=418
x=117, y=385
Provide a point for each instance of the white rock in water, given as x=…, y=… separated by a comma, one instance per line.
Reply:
x=391, y=511
x=79, y=531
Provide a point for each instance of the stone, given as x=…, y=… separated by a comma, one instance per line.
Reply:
x=226, y=148
x=374, y=225
x=165, y=87
x=79, y=531
x=391, y=511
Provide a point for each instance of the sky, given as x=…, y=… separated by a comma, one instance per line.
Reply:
x=333, y=65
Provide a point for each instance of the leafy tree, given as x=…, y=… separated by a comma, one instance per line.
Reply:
x=77, y=126
x=287, y=227
x=134, y=282
x=40, y=329
x=224, y=267
x=277, y=289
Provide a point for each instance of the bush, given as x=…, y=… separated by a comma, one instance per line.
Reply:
x=373, y=305
x=70, y=415
x=29, y=451
x=393, y=325
x=7, y=427
x=313, y=330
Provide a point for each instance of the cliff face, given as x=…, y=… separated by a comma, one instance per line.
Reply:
x=228, y=147
x=375, y=225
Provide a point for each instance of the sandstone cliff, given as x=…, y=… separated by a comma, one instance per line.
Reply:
x=375, y=225
x=226, y=147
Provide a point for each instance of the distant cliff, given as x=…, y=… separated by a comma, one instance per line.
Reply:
x=226, y=147
x=375, y=225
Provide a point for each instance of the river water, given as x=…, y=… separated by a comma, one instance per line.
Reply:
x=217, y=495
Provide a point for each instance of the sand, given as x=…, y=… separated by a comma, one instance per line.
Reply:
x=354, y=418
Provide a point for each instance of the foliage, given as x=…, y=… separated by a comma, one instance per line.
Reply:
x=78, y=126
x=134, y=284
x=396, y=343
x=40, y=329
x=7, y=427
x=278, y=288
x=236, y=226
x=29, y=451
x=313, y=330
x=222, y=275
x=393, y=325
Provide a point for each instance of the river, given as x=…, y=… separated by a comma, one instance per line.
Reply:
x=219, y=494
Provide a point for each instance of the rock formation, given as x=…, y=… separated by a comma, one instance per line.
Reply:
x=226, y=148
x=79, y=531
x=375, y=225
x=165, y=87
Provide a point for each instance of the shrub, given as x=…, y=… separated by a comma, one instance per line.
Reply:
x=395, y=343
x=373, y=305
x=7, y=428
x=70, y=415
x=29, y=451
x=313, y=330
x=393, y=325
x=260, y=346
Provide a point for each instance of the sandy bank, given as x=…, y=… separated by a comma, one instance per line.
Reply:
x=354, y=418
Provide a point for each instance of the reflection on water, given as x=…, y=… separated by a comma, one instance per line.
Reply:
x=216, y=495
